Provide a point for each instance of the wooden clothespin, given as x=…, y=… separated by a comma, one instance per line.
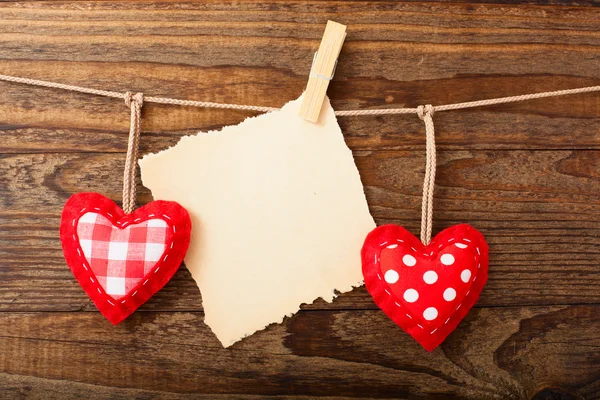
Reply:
x=322, y=70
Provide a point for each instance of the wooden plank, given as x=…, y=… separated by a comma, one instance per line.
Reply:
x=398, y=56
x=537, y=209
x=496, y=353
x=525, y=174
x=66, y=122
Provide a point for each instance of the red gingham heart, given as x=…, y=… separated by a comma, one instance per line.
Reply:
x=121, y=259
x=426, y=290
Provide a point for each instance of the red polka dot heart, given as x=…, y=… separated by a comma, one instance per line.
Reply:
x=426, y=290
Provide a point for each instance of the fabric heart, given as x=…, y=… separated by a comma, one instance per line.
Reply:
x=426, y=290
x=121, y=259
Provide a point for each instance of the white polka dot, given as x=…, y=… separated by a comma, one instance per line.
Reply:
x=460, y=245
x=411, y=295
x=449, y=294
x=391, y=276
x=465, y=275
x=430, y=277
x=409, y=260
x=430, y=314
x=447, y=259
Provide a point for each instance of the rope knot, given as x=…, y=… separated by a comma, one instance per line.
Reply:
x=422, y=111
x=134, y=98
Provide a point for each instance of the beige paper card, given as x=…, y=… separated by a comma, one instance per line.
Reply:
x=278, y=215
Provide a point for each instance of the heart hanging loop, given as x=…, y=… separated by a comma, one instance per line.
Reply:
x=425, y=113
x=134, y=102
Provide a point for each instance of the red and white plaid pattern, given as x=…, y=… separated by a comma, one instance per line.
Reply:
x=120, y=258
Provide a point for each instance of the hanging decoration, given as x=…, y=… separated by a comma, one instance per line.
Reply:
x=122, y=257
x=426, y=287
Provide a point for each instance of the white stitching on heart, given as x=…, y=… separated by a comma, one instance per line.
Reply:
x=440, y=246
x=166, y=216
x=123, y=226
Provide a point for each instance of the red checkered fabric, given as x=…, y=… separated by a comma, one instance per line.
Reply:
x=121, y=258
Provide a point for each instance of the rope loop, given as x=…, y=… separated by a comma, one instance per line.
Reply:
x=135, y=103
x=425, y=113
x=422, y=111
x=135, y=98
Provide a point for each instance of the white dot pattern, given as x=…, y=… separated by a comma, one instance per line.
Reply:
x=409, y=260
x=411, y=295
x=447, y=259
x=449, y=294
x=438, y=291
x=430, y=313
x=430, y=277
x=465, y=276
x=391, y=276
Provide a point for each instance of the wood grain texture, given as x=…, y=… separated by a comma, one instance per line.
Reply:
x=527, y=175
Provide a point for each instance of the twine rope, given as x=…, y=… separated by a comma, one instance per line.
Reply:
x=425, y=113
x=342, y=113
x=135, y=103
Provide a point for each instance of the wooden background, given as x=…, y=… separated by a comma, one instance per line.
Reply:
x=527, y=175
